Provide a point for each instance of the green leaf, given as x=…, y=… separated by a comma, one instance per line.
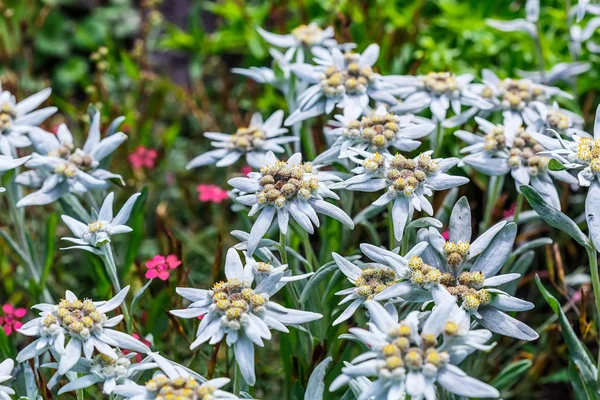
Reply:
x=577, y=351
x=314, y=280
x=50, y=247
x=555, y=165
x=511, y=374
x=582, y=391
x=554, y=217
x=316, y=386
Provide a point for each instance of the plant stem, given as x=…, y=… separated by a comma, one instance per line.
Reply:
x=283, y=248
x=593, y=258
x=438, y=139
x=540, y=53
x=111, y=269
x=518, y=207
x=494, y=188
x=238, y=380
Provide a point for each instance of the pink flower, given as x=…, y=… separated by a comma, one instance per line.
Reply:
x=10, y=320
x=143, y=157
x=446, y=235
x=159, y=266
x=138, y=356
x=211, y=193
x=245, y=170
x=510, y=212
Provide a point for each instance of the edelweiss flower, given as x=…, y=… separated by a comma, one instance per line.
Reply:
x=174, y=381
x=564, y=71
x=370, y=279
x=86, y=326
x=17, y=119
x=407, y=360
x=242, y=314
x=407, y=181
x=345, y=80
x=293, y=189
x=60, y=168
x=304, y=37
x=452, y=254
x=6, y=368
x=253, y=141
x=475, y=287
x=8, y=163
x=377, y=132
x=439, y=91
x=97, y=233
x=510, y=148
x=101, y=369
x=532, y=10
x=552, y=118
x=514, y=96
x=269, y=75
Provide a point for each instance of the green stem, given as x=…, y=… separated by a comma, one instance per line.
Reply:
x=494, y=188
x=438, y=140
x=518, y=207
x=111, y=269
x=593, y=258
x=239, y=383
x=283, y=248
x=405, y=242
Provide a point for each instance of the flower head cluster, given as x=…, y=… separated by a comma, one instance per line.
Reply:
x=253, y=142
x=441, y=273
x=406, y=358
x=371, y=278
x=552, y=118
x=60, y=167
x=97, y=233
x=18, y=118
x=511, y=148
x=408, y=182
x=345, y=80
x=378, y=132
x=302, y=38
x=438, y=91
x=515, y=96
x=84, y=323
x=291, y=188
x=242, y=313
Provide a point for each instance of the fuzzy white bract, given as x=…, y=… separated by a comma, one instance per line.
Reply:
x=84, y=324
x=287, y=189
x=18, y=118
x=60, y=168
x=405, y=358
x=253, y=141
x=97, y=232
x=6, y=368
x=241, y=312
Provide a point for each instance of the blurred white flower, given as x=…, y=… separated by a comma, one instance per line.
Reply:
x=86, y=326
x=407, y=182
x=438, y=91
x=8, y=163
x=60, y=168
x=253, y=142
x=291, y=188
x=6, y=368
x=380, y=131
x=18, y=118
x=97, y=232
x=240, y=313
x=406, y=359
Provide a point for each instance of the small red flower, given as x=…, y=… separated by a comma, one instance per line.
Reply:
x=159, y=266
x=245, y=170
x=446, y=235
x=211, y=194
x=143, y=157
x=10, y=320
x=510, y=212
